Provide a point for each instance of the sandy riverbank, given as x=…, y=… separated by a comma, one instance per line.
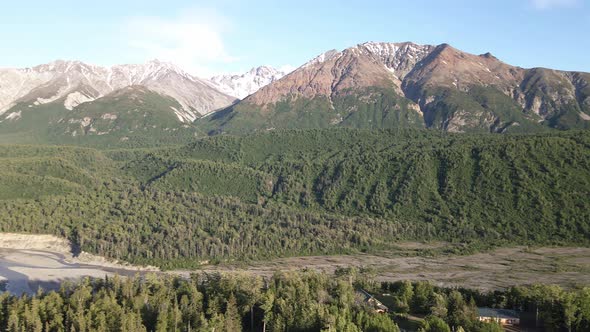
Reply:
x=28, y=262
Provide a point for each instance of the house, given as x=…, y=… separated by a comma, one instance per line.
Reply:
x=502, y=316
x=371, y=301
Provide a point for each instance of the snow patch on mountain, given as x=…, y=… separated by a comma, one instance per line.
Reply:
x=182, y=115
x=322, y=58
x=398, y=58
x=243, y=85
x=109, y=116
x=14, y=115
x=76, y=98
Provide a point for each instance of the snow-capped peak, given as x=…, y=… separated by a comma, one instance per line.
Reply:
x=322, y=57
x=162, y=66
x=137, y=74
x=243, y=85
x=398, y=58
x=381, y=49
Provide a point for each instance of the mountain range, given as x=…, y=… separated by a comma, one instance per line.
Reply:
x=385, y=85
x=370, y=85
x=70, y=101
x=73, y=83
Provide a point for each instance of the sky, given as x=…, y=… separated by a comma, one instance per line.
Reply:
x=231, y=36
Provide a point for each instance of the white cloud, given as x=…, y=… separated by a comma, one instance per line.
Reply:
x=192, y=40
x=551, y=4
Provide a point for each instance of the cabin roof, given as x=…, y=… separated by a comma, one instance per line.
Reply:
x=498, y=313
x=370, y=299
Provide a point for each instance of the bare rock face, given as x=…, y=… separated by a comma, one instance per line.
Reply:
x=333, y=72
x=547, y=91
x=74, y=83
x=451, y=68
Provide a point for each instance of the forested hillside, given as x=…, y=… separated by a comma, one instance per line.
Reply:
x=300, y=192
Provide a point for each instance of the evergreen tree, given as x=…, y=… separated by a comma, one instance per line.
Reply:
x=232, y=321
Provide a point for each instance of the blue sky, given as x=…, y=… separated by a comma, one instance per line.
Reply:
x=209, y=37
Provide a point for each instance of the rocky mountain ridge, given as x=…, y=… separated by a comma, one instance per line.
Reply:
x=371, y=85
x=380, y=85
x=74, y=82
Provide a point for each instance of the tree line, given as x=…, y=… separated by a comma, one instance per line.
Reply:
x=287, y=301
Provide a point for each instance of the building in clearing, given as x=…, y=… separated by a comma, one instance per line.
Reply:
x=502, y=316
x=371, y=301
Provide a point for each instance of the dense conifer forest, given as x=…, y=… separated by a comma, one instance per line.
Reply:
x=302, y=301
x=288, y=193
